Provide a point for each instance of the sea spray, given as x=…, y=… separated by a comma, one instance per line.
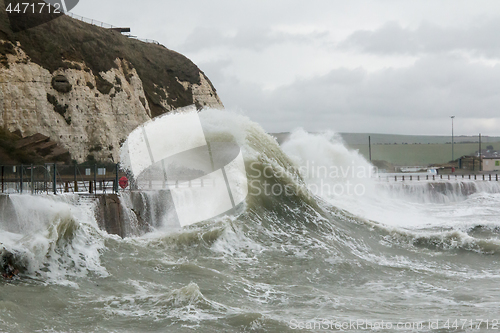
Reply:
x=282, y=259
x=55, y=237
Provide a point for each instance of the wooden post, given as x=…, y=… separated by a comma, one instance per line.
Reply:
x=370, y=147
x=3, y=172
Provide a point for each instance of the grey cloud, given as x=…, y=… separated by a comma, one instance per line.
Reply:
x=256, y=38
x=392, y=38
x=411, y=100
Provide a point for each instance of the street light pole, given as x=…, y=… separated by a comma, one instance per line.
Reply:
x=452, y=139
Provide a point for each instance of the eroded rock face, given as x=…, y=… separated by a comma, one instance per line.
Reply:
x=88, y=113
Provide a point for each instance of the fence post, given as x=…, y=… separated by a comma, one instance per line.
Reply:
x=410, y=178
x=3, y=171
x=95, y=178
x=21, y=180
x=75, y=187
x=490, y=176
x=54, y=184
x=32, y=187
x=45, y=174
x=116, y=178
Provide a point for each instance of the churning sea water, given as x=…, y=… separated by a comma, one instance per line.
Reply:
x=319, y=246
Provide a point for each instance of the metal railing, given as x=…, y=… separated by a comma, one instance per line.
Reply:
x=55, y=178
x=485, y=177
x=84, y=178
x=108, y=26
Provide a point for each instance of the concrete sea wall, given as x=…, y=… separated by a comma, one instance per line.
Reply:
x=127, y=214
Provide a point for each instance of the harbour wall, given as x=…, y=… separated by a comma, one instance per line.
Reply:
x=125, y=214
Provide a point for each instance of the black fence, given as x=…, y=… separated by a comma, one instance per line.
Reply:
x=486, y=177
x=57, y=178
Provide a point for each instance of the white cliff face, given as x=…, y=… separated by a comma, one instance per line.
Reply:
x=88, y=122
x=204, y=94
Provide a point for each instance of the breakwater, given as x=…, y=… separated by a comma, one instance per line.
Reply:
x=130, y=213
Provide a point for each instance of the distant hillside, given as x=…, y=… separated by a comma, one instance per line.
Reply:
x=362, y=138
x=407, y=150
x=376, y=138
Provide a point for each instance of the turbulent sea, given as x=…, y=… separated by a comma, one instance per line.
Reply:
x=340, y=251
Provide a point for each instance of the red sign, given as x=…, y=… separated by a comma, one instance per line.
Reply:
x=123, y=182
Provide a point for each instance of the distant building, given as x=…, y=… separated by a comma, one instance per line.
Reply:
x=491, y=163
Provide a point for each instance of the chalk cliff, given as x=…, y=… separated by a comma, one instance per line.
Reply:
x=88, y=87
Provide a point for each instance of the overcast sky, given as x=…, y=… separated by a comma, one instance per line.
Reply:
x=387, y=66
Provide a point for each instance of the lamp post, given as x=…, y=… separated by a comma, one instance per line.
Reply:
x=452, y=139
